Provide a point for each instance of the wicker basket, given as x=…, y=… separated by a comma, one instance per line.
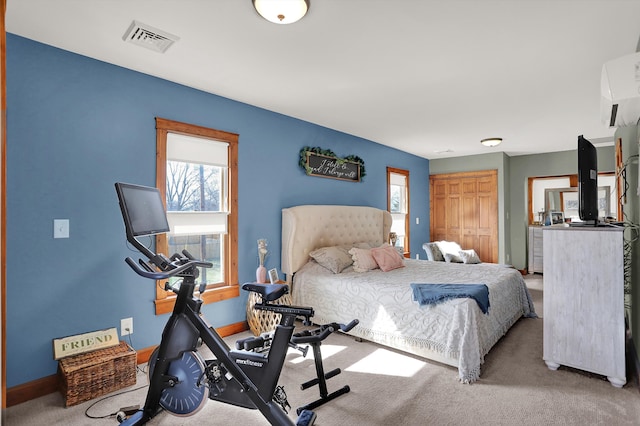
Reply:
x=86, y=376
x=263, y=321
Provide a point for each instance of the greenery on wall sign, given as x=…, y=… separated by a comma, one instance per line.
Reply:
x=349, y=168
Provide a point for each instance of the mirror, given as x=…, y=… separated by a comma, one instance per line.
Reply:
x=557, y=193
x=554, y=199
x=566, y=200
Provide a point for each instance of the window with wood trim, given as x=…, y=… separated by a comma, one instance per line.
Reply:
x=398, y=206
x=197, y=175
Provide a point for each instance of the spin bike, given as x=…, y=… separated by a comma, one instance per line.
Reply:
x=180, y=381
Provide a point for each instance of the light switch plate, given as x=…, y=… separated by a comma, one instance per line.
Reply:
x=60, y=228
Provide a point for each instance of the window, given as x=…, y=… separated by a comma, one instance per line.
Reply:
x=398, y=205
x=196, y=173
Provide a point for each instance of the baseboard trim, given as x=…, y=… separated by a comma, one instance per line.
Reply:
x=49, y=384
x=31, y=390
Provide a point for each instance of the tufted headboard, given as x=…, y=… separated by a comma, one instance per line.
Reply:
x=308, y=227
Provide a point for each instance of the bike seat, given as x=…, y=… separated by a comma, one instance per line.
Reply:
x=269, y=292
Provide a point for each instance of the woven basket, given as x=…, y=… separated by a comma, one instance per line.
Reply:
x=263, y=321
x=87, y=376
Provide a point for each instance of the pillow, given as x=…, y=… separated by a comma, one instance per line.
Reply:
x=335, y=258
x=433, y=252
x=363, y=261
x=448, y=247
x=387, y=257
x=469, y=256
x=452, y=258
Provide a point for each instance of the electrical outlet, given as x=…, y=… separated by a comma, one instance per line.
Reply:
x=126, y=326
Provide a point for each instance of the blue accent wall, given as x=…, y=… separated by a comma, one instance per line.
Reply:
x=75, y=126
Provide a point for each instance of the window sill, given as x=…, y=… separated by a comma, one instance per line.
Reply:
x=165, y=306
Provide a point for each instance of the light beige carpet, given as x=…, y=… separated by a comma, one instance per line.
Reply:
x=391, y=388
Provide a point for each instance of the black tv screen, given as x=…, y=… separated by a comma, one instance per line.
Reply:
x=142, y=209
x=587, y=180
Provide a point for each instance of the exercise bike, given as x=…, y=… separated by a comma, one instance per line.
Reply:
x=180, y=380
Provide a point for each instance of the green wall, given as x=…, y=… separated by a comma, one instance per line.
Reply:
x=513, y=175
x=550, y=164
x=629, y=137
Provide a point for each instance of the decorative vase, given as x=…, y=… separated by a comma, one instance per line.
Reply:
x=261, y=274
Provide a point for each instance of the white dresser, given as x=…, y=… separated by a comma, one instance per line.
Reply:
x=584, y=300
x=535, y=263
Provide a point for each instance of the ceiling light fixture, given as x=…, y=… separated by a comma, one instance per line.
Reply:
x=281, y=11
x=491, y=141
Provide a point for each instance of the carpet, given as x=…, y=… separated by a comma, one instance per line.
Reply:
x=392, y=388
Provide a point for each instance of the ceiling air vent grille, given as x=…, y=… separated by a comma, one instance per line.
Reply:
x=149, y=37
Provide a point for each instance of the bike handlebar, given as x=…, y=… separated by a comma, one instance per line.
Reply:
x=310, y=338
x=175, y=270
x=318, y=335
x=349, y=326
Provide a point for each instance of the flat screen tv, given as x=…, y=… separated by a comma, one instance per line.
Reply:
x=587, y=181
x=142, y=209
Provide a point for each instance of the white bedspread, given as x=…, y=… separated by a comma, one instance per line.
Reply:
x=457, y=329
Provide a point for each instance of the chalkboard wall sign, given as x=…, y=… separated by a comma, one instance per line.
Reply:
x=332, y=167
x=324, y=163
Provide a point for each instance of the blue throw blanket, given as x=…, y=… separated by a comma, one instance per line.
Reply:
x=435, y=293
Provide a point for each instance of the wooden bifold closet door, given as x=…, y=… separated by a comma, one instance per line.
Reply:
x=464, y=209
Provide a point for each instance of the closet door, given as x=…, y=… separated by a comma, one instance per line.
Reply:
x=464, y=209
x=470, y=210
x=487, y=219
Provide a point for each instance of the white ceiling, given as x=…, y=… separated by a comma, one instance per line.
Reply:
x=423, y=76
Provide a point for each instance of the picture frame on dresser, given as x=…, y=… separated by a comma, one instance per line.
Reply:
x=554, y=217
x=273, y=276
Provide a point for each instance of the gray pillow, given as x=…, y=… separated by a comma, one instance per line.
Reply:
x=452, y=258
x=433, y=252
x=334, y=258
x=469, y=256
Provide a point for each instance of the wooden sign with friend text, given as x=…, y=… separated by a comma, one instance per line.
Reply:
x=87, y=342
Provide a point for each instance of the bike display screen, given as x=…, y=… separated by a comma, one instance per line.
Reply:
x=142, y=209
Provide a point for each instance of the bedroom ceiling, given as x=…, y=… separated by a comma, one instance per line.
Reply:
x=428, y=77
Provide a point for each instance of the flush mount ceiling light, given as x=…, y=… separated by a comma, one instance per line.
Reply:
x=491, y=141
x=281, y=11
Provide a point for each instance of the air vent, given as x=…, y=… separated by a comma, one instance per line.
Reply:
x=149, y=37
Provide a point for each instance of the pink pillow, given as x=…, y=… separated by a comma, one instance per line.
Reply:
x=363, y=261
x=387, y=257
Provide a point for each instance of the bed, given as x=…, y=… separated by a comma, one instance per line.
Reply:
x=454, y=332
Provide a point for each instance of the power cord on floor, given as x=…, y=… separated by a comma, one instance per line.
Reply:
x=125, y=410
x=138, y=369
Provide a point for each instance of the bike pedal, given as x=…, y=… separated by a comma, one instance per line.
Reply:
x=130, y=410
x=280, y=397
x=306, y=418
